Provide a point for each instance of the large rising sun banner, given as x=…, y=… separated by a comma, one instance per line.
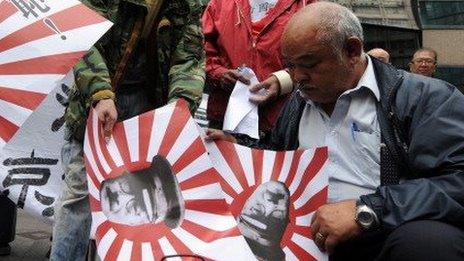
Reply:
x=273, y=196
x=40, y=41
x=154, y=193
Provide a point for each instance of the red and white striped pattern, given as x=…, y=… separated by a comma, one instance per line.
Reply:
x=208, y=228
x=34, y=58
x=243, y=169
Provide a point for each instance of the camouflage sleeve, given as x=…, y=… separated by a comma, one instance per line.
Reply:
x=92, y=83
x=187, y=72
x=92, y=78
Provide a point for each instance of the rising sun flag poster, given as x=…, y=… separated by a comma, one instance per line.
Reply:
x=40, y=41
x=154, y=193
x=273, y=195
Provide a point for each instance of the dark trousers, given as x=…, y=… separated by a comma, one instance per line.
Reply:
x=417, y=240
x=133, y=100
x=7, y=219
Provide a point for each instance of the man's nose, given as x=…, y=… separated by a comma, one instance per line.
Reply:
x=269, y=209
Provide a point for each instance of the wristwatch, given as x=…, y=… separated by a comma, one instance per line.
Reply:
x=365, y=216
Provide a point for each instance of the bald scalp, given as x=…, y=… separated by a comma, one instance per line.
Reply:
x=329, y=24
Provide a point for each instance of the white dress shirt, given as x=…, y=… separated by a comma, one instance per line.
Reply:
x=352, y=134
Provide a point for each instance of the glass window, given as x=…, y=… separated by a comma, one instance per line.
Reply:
x=400, y=43
x=441, y=14
x=454, y=75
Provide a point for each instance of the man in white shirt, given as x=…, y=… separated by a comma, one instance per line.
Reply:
x=395, y=144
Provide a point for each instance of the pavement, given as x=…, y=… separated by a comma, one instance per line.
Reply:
x=32, y=240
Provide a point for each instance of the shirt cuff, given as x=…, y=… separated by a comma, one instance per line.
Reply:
x=286, y=83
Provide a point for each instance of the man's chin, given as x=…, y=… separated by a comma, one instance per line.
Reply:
x=252, y=232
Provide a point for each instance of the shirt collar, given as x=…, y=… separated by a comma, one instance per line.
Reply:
x=368, y=80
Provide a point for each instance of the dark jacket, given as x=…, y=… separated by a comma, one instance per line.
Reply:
x=422, y=141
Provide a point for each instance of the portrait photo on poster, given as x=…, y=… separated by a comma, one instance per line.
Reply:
x=150, y=195
x=264, y=218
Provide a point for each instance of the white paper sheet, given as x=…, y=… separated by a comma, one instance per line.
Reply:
x=241, y=114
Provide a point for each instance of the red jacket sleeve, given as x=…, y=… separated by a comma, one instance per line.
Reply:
x=215, y=66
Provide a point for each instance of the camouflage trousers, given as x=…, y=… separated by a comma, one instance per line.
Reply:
x=72, y=210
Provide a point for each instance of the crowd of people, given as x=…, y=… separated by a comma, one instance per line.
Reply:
x=395, y=138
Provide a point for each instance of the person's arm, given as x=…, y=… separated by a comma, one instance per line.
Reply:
x=277, y=84
x=187, y=73
x=93, y=82
x=215, y=66
x=436, y=158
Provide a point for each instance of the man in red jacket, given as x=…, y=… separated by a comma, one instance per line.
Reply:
x=247, y=32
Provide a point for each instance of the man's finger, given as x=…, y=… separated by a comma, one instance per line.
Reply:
x=243, y=79
x=258, y=99
x=239, y=77
x=258, y=87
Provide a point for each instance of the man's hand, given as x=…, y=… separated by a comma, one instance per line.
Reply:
x=106, y=111
x=230, y=77
x=333, y=224
x=272, y=90
x=213, y=134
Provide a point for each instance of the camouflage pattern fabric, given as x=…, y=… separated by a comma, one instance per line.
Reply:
x=170, y=61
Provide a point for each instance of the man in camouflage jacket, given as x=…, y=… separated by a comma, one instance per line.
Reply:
x=165, y=65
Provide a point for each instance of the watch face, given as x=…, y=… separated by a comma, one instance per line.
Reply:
x=365, y=218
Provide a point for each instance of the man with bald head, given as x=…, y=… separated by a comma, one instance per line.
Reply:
x=395, y=142
x=380, y=54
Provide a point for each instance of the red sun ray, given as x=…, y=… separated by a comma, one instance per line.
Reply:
x=207, y=234
x=8, y=10
x=293, y=167
x=120, y=139
x=179, y=119
x=25, y=99
x=318, y=160
x=178, y=245
x=91, y=141
x=94, y=204
x=304, y=231
x=212, y=206
x=300, y=252
x=202, y=179
x=257, y=156
x=7, y=129
x=102, y=230
x=227, y=149
x=145, y=126
x=317, y=200
x=226, y=187
x=56, y=64
x=157, y=254
x=136, y=251
x=278, y=164
x=68, y=19
x=113, y=251
x=91, y=173
x=190, y=155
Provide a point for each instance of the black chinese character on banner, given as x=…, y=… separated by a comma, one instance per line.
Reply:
x=64, y=101
x=31, y=7
x=31, y=171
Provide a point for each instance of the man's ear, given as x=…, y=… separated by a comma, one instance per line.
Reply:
x=354, y=47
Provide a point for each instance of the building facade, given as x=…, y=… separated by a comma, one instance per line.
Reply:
x=402, y=26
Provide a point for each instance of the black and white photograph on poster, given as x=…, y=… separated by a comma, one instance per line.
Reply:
x=150, y=195
x=272, y=195
x=30, y=163
x=264, y=218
